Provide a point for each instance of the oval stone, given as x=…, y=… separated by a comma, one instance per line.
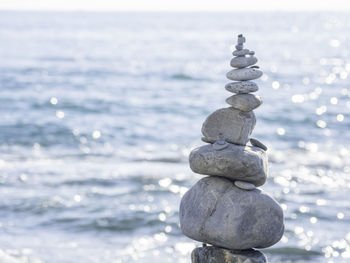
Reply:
x=235, y=162
x=243, y=62
x=244, y=185
x=242, y=87
x=244, y=74
x=216, y=212
x=229, y=124
x=243, y=52
x=244, y=102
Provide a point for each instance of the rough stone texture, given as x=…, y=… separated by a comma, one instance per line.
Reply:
x=212, y=254
x=243, y=62
x=243, y=52
x=229, y=124
x=216, y=212
x=244, y=185
x=244, y=102
x=258, y=143
x=244, y=74
x=242, y=87
x=235, y=162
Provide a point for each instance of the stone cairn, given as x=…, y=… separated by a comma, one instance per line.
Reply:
x=225, y=209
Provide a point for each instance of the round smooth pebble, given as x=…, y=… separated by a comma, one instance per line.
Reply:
x=244, y=185
x=258, y=144
x=244, y=74
x=243, y=62
x=244, y=102
x=243, y=52
x=220, y=145
x=242, y=87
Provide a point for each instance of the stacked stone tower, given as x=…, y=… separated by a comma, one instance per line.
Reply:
x=225, y=209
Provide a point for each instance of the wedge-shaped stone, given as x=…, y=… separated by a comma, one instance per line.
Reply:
x=229, y=124
x=216, y=212
x=235, y=162
x=210, y=254
x=244, y=102
x=243, y=62
x=242, y=87
x=244, y=74
x=257, y=143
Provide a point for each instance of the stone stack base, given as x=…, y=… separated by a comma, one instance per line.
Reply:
x=210, y=254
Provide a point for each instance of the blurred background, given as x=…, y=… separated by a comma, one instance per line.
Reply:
x=102, y=102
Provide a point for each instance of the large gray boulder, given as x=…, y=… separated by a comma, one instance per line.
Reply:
x=229, y=124
x=244, y=163
x=210, y=254
x=216, y=212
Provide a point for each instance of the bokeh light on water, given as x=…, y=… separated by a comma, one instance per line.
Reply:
x=100, y=113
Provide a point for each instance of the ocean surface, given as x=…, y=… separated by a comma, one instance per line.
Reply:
x=99, y=112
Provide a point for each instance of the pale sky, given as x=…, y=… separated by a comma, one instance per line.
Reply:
x=177, y=5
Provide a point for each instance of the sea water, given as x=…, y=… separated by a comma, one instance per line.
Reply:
x=99, y=112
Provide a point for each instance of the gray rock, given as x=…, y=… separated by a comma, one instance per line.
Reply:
x=244, y=102
x=229, y=124
x=257, y=143
x=241, y=39
x=239, y=47
x=220, y=145
x=212, y=254
x=206, y=140
x=243, y=62
x=216, y=212
x=251, y=53
x=244, y=185
x=244, y=74
x=243, y=52
x=242, y=87
x=235, y=162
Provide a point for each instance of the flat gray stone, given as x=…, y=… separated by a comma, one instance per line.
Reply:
x=244, y=102
x=210, y=254
x=243, y=52
x=243, y=62
x=242, y=87
x=244, y=74
x=244, y=185
x=220, y=145
x=229, y=124
x=216, y=212
x=258, y=144
x=235, y=162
